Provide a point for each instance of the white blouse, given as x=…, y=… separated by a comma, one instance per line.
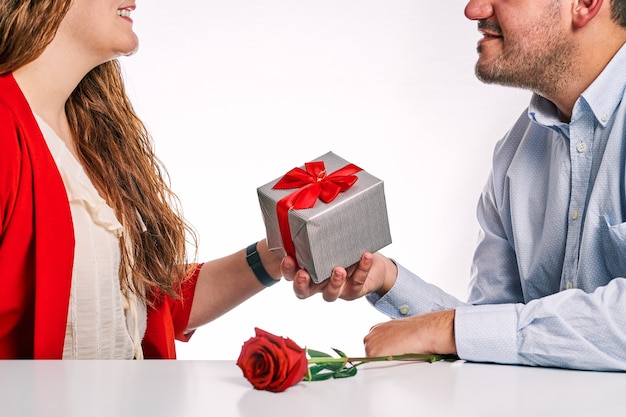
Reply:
x=102, y=322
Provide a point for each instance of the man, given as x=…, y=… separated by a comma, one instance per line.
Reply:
x=547, y=285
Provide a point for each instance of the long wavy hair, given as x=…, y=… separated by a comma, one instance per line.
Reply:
x=115, y=150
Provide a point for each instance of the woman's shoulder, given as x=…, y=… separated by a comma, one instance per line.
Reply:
x=16, y=118
x=10, y=136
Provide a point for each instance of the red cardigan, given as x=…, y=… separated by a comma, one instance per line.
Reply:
x=37, y=247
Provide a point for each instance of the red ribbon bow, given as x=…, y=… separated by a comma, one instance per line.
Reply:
x=311, y=185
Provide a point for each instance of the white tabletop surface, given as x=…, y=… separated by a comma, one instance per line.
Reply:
x=217, y=388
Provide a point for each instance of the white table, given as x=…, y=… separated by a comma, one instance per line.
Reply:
x=217, y=388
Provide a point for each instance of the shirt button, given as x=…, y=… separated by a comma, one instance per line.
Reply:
x=404, y=310
x=574, y=214
x=570, y=285
x=581, y=147
x=604, y=117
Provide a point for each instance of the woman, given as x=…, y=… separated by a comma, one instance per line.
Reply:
x=93, y=260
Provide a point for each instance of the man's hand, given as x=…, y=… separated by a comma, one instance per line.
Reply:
x=430, y=333
x=373, y=273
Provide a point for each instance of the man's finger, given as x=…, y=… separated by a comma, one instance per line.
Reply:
x=288, y=268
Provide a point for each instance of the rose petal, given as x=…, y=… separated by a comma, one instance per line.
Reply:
x=271, y=362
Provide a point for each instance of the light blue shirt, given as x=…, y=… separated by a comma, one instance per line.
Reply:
x=547, y=279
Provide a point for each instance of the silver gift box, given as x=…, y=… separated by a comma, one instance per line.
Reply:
x=334, y=234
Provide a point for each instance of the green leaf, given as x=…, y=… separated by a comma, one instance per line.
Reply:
x=322, y=377
x=331, y=366
x=346, y=372
x=317, y=354
x=316, y=369
x=340, y=353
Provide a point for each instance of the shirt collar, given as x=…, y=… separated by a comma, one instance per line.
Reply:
x=602, y=96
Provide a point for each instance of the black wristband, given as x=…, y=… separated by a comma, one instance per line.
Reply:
x=254, y=261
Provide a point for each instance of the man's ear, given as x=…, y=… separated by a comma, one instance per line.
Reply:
x=584, y=10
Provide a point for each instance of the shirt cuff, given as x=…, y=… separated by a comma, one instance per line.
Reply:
x=409, y=296
x=487, y=333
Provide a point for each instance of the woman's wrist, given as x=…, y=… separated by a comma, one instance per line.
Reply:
x=264, y=263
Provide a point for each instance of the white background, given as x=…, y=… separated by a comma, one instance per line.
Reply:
x=237, y=92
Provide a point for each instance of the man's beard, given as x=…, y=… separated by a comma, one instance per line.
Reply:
x=540, y=61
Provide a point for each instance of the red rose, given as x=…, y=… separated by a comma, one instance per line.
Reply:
x=272, y=363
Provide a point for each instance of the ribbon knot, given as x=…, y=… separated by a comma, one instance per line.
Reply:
x=311, y=183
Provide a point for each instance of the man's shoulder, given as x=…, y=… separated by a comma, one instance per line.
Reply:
x=511, y=140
